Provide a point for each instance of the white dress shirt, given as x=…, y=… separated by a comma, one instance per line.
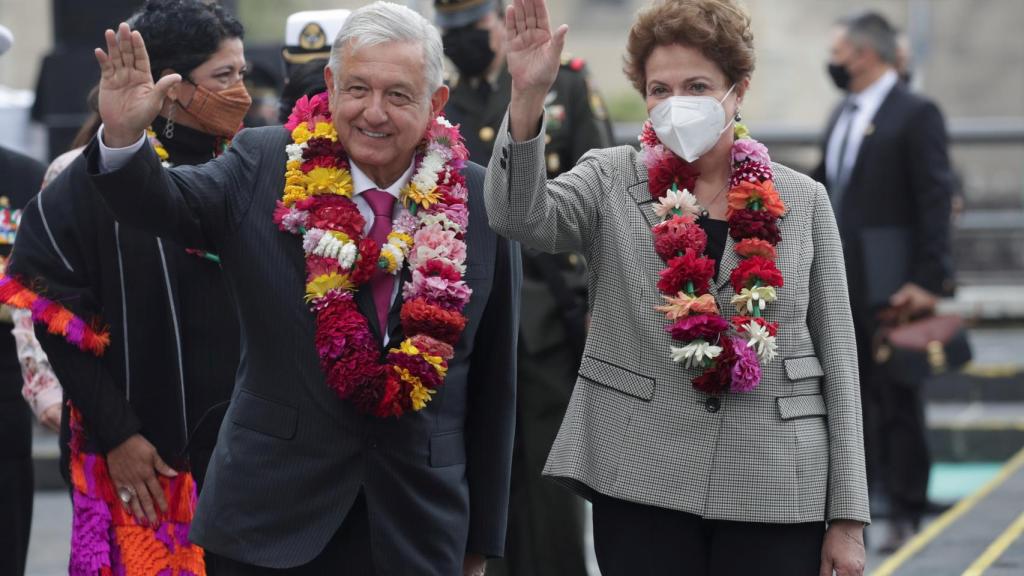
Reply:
x=113, y=158
x=868, y=102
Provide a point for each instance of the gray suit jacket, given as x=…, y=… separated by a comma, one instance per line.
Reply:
x=791, y=451
x=291, y=457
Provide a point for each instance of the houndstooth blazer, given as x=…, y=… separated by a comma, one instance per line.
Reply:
x=790, y=451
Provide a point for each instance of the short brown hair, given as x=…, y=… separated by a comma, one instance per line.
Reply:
x=718, y=28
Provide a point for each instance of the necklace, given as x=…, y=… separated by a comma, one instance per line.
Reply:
x=729, y=352
x=428, y=233
x=704, y=211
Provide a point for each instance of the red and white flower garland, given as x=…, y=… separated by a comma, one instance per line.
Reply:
x=730, y=352
x=428, y=233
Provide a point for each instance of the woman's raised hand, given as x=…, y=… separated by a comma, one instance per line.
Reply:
x=534, y=54
x=129, y=101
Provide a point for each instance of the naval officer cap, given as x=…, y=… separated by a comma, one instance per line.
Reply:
x=309, y=35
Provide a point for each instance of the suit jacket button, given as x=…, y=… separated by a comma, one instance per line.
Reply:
x=712, y=404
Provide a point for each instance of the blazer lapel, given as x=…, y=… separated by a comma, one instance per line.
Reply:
x=641, y=194
x=364, y=302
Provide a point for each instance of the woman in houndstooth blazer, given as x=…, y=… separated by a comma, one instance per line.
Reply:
x=766, y=482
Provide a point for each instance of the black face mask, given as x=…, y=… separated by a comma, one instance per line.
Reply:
x=840, y=75
x=469, y=48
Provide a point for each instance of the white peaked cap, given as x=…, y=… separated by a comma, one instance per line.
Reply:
x=309, y=35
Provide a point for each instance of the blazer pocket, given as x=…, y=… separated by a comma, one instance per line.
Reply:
x=617, y=377
x=803, y=367
x=447, y=449
x=806, y=406
x=265, y=416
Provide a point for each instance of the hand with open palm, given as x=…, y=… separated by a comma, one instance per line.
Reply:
x=534, y=54
x=129, y=101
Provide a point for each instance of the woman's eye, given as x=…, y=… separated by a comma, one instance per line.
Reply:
x=657, y=90
x=698, y=88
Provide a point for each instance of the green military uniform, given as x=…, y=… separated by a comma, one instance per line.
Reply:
x=545, y=520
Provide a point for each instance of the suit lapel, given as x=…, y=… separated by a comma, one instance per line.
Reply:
x=880, y=119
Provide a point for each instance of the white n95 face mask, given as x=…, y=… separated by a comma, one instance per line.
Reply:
x=690, y=125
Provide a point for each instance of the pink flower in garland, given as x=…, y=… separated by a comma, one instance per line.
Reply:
x=438, y=291
x=457, y=213
x=746, y=372
x=432, y=346
x=749, y=149
x=703, y=326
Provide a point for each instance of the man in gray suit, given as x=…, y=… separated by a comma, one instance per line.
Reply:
x=301, y=480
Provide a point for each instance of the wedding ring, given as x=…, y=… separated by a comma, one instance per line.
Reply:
x=126, y=493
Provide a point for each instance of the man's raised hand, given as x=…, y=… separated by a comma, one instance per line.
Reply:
x=534, y=54
x=129, y=101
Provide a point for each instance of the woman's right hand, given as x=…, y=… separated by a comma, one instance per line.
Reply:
x=129, y=101
x=134, y=465
x=534, y=55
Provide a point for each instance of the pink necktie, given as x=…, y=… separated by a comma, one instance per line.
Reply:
x=381, y=284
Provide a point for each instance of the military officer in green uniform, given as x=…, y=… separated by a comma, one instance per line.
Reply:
x=545, y=520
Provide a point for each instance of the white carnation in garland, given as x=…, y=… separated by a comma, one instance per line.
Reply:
x=745, y=300
x=295, y=151
x=331, y=247
x=695, y=354
x=761, y=340
x=440, y=219
x=348, y=254
x=680, y=200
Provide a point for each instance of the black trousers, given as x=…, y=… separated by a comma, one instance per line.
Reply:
x=16, y=491
x=347, y=554
x=637, y=540
x=895, y=435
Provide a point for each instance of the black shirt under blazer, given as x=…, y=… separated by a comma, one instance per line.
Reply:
x=291, y=457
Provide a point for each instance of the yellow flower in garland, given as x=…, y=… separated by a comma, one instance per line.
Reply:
x=292, y=165
x=420, y=395
x=390, y=264
x=324, y=283
x=399, y=237
x=437, y=362
x=301, y=133
x=416, y=195
x=324, y=180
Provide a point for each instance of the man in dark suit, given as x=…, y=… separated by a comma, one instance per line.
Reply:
x=886, y=167
x=22, y=177
x=546, y=521
x=301, y=480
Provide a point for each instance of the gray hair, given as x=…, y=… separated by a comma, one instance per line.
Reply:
x=384, y=22
x=872, y=30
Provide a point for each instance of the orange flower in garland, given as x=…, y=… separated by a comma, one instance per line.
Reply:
x=730, y=361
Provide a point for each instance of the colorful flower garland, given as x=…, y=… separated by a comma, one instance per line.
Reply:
x=729, y=352
x=428, y=233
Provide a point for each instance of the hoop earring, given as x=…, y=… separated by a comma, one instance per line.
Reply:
x=169, y=127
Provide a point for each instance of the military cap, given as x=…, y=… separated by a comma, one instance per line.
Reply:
x=310, y=34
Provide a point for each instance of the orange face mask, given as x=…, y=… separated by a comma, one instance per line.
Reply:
x=219, y=113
